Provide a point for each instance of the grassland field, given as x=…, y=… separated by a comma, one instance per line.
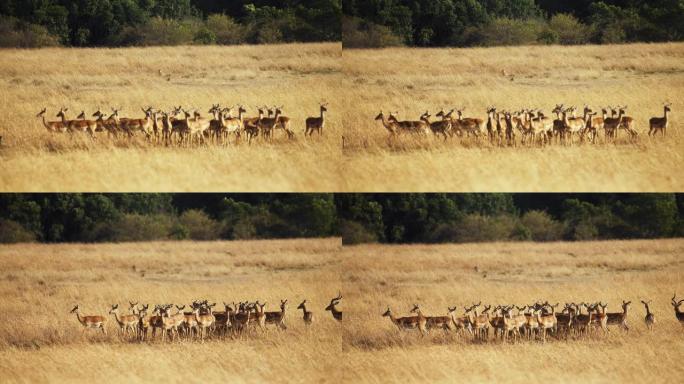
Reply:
x=413, y=80
x=297, y=76
x=40, y=283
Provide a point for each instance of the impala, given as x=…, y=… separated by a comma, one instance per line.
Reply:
x=91, y=321
x=660, y=123
x=470, y=125
x=415, y=127
x=283, y=122
x=307, y=315
x=407, y=322
x=650, y=317
x=388, y=124
x=337, y=314
x=240, y=317
x=266, y=125
x=442, y=322
x=678, y=313
x=316, y=123
x=611, y=124
x=126, y=322
x=574, y=125
x=278, y=318
x=619, y=318
x=52, y=126
x=234, y=124
x=204, y=321
x=547, y=321
x=438, y=127
x=480, y=323
x=110, y=124
x=627, y=123
x=87, y=126
x=422, y=320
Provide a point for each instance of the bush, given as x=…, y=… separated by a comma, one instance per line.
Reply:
x=541, y=226
x=568, y=30
x=13, y=232
x=505, y=31
x=17, y=34
x=355, y=233
x=363, y=34
x=199, y=225
x=158, y=31
x=225, y=29
x=135, y=227
x=478, y=228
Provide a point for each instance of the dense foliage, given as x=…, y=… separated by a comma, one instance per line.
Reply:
x=155, y=22
x=435, y=218
x=139, y=217
x=513, y=22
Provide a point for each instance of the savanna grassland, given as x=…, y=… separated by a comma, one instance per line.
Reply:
x=44, y=342
x=411, y=81
x=438, y=276
x=298, y=76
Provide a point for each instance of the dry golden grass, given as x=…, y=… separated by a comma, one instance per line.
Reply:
x=297, y=76
x=41, y=341
x=411, y=81
x=437, y=276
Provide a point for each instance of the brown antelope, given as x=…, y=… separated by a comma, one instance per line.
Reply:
x=442, y=322
x=547, y=321
x=421, y=319
x=594, y=123
x=144, y=322
x=316, y=123
x=581, y=322
x=266, y=125
x=168, y=323
x=389, y=125
x=133, y=309
x=660, y=123
x=241, y=317
x=52, y=126
x=619, y=318
x=126, y=322
x=109, y=125
x=307, y=315
x=283, y=122
x=480, y=323
x=414, y=127
x=278, y=317
x=204, y=321
x=337, y=314
x=574, y=125
x=84, y=126
x=509, y=324
x=678, y=313
x=531, y=325
x=612, y=124
x=234, y=124
x=91, y=321
x=441, y=127
x=259, y=314
x=627, y=123
x=600, y=319
x=403, y=323
x=649, y=319
x=469, y=125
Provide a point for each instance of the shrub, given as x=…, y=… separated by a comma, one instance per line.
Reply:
x=357, y=33
x=135, y=227
x=199, y=225
x=13, y=232
x=568, y=29
x=17, y=34
x=355, y=233
x=478, y=228
x=505, y=31
x=225, y=29
x=541, y=226
x=159, y=31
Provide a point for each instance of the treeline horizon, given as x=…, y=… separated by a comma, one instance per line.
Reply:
x=356, y=218
x=469, y=23
x=105, y=217
x=113, y=23
x=467, y=218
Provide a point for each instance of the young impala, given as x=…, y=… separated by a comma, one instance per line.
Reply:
x=307, y=315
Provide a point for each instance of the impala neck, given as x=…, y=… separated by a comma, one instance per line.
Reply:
x=322, y=112
x=116, y=317
x=80, y=319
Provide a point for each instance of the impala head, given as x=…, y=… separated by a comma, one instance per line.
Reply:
x=380, y=116
x=302, y=305
x=334, y=302
x=283, y=304
x=451, y=310
x=75, y=309
x=626, y=304
x=180, y=308
x=416, y=308
x=676, y=303
x=81, y=115
x=387, y=313
x=241, y=109
x=41, y=113
x=62, y=112
x=323, y=107
x=115, y=309
x=668, y=107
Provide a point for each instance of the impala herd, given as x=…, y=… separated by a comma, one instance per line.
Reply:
x=196, y=321
x=531, y=322
x=531, y=126
x=185, y=127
